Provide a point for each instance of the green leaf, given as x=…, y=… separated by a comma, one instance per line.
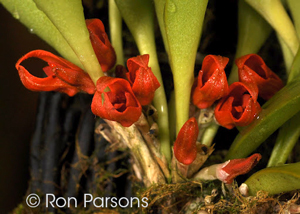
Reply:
x=274, y=12
x=159, y=9
x=287, y=138
x=290, y=131
x=280, y=108
x=295, y=69
x=183, y=24
x=38, y=23
x=68, y=18
x=275, y=180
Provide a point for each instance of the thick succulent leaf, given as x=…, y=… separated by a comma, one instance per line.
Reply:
x=275, y=180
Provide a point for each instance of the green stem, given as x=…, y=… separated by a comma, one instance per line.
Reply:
x=183, y=24
x=34, y=19
x=274, y=12
x=139, y=17
x=68, y=18
x=253, y=31
x=209, y=134
x=115, y=27
x=172, y=117
x=288, y=56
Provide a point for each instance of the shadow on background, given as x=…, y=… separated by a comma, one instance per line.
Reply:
x=17, y=110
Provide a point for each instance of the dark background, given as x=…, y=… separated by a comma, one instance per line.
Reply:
x=17, y=110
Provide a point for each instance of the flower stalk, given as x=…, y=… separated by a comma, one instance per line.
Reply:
x=139, y=17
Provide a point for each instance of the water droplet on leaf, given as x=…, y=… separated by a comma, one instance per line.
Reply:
x=16, y=14
x=171, y=7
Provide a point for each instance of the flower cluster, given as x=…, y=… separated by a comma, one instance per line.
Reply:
x=238, y=105
x=120, y=99
x=117, y=99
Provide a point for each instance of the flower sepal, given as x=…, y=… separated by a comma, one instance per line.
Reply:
x=62, y=75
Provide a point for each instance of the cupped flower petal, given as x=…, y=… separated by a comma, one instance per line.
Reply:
x=143, y=81
x=212, y=81
x=238, y=108
x=103, y=49
x=185, y=149
x=115, y=100
x=253, y=71
x=62, y=75
x=232, y=168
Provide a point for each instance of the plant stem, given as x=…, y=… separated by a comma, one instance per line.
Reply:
x=288, y=56
x=209, y=134
x=172, y=117
x=115, y=27
x=68, y=18
x=253, y=31
x=146, y=164
x=274, y=12
x=139, y=16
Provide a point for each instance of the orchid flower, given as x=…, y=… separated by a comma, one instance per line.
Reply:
x=185, y=149
x=62, y=75
x=238, y=108
x=255, y=73
x=212, y=82
x=142, y=79
x=103, y=49
x=115, y=100
x=228, y=171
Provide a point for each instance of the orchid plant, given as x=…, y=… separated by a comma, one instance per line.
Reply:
x=171, y=140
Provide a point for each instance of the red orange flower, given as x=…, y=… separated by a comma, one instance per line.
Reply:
x=62, y=75
x=115, y=100
x=101, y=44
x=142, y=79
x=255, y=73
x=185, y=149
x=238, y=108
x=232, y=168
x=212, y=82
